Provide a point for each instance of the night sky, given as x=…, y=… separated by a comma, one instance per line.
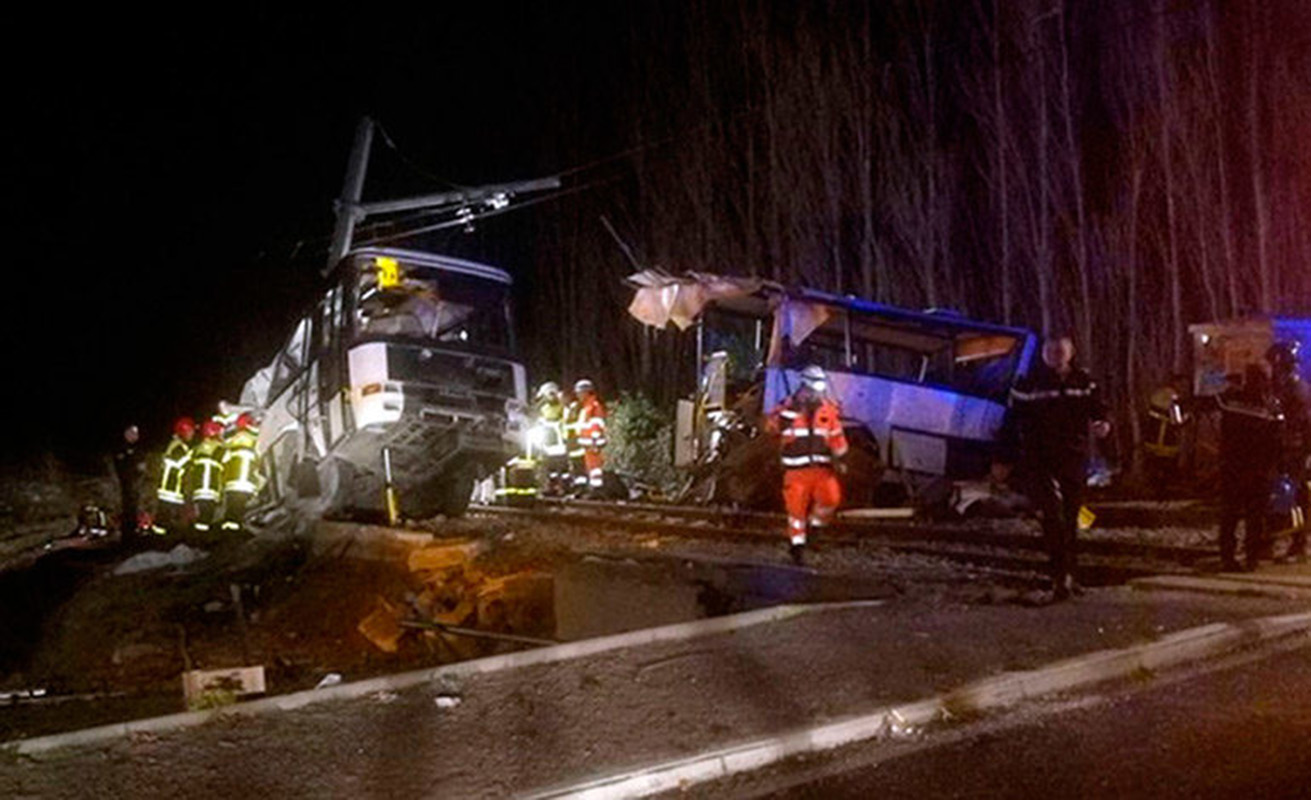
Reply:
x=171, y=185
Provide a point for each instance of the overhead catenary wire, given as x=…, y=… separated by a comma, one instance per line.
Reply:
x=455, y=223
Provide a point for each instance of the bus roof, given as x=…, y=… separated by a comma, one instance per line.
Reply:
x=435, y=261
x=757, y=297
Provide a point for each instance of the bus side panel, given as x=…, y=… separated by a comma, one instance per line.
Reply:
x=917, y=427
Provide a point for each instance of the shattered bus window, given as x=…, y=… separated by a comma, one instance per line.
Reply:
x=439, y=307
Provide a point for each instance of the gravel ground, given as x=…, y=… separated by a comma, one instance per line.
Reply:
x=559, y=723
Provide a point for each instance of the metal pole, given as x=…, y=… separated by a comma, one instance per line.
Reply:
x=352, y=190
x=846, y=332
x=697, y=396
x=389, y=490
x=458, y=631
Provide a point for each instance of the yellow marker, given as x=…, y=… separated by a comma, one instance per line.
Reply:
x=1086, y=518
x=389, y=272
x=389, y=495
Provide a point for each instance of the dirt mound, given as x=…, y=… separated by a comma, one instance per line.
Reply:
x=293, y=606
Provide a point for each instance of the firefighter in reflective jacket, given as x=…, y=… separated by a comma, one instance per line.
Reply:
x=576, y=476
x=171, y=499
x=549, y=437
x=205, y=475
x=239, y=471
x=809, y=425
x=590, y=425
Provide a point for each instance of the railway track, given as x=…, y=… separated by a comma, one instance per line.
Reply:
x=1006, y=548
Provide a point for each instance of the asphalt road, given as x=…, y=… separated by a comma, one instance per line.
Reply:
x=1244, y=731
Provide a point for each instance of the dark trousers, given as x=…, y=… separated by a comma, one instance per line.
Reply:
x=559, y=478
x=234, y=509
x=170, y=517
x=1246, y=502
x=1058, y=496
x=130, y=510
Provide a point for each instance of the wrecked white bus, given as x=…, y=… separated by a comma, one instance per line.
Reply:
x=930, y=388
x=406, y=365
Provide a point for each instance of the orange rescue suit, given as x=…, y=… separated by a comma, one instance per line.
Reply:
x=591, y=437
x=811, y=440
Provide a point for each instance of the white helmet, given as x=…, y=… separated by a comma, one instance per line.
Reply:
x=814, y=378
x=548, y=389
x=584, y=385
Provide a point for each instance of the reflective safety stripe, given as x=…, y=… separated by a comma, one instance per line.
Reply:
x=239, y=477
x=206, y=494
x=1051, y=394
x=797, y=524
x=798, y=538
x=176, y=458
x=202, y=526
x=231, y=526
x=796, y=461
x=789, y=414
x=166, y=496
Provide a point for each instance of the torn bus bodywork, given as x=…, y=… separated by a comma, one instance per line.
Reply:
x=406, y=362
x=929, y=389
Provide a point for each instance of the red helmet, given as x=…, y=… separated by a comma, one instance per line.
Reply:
x=246, y=421
x=211, y=429
x=184, y=428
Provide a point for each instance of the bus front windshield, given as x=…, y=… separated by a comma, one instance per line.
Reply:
x=433, y=307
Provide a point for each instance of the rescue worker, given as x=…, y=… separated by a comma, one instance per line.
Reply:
x=205, y=475
x=813, y=444
x=1248, y=459
x=170, y=497
x=239, y=471
x=1046, y=438
x=1292, y=400
x=1168, y=417
x=574, y=450
x=227, y=418
x=549, y=415
x=130, y=468
x=591, y=434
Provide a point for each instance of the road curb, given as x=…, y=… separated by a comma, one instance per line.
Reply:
x=405, y=680
x=1004, y=690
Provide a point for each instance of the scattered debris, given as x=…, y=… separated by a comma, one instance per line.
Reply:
x=383, y=626
x=331, y=679
x=219, y=687
x=153, y=559
x=21, y=694
x=447, y=701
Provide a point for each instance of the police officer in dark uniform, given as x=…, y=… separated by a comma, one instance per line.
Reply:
x=1248, y=455
x=130, y=467
x=1053, y=410
x=1292, y=401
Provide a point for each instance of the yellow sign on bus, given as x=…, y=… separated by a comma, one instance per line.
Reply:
x=389, y=272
